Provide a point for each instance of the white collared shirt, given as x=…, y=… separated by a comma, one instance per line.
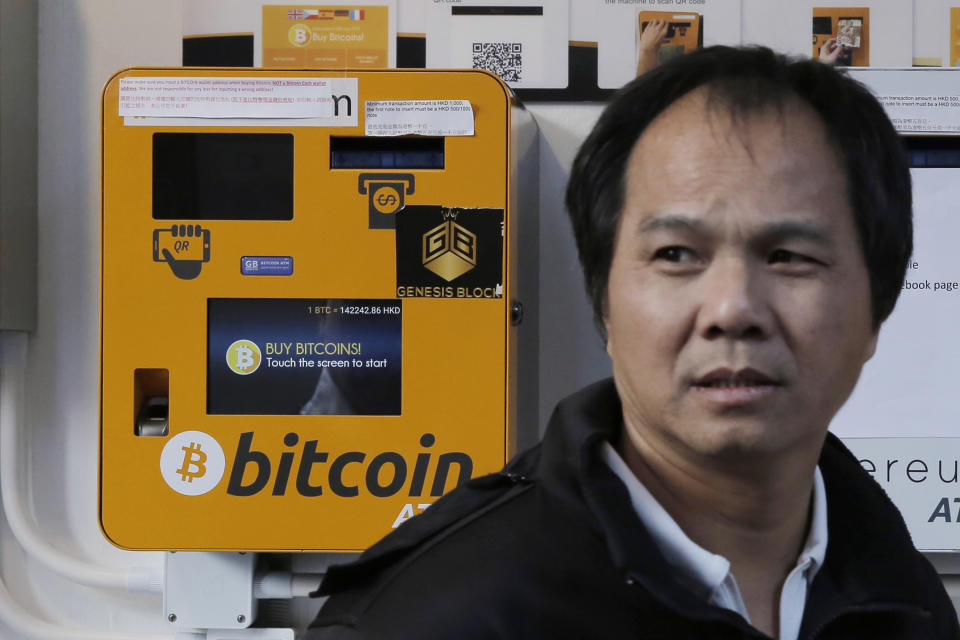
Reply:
x=708, y=574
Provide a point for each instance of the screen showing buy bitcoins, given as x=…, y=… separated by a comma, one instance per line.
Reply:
x=304, y=356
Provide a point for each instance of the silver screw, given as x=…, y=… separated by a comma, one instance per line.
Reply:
x=241, y=618
x=172, y=617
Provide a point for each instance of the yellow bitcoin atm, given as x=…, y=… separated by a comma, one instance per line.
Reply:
x=310, y=301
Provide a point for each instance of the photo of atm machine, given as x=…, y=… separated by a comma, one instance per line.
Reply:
x=309, y=325
x=851, y=28
x=684, y=32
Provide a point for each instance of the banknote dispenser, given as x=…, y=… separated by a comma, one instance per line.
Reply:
x=311, y=291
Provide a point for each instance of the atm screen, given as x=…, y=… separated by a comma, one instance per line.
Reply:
x=302, y=356
x=223, y=176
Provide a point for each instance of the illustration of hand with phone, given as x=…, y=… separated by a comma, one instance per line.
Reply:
x=185, y=247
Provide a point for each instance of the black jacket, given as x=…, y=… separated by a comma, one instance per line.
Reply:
x=551, y=548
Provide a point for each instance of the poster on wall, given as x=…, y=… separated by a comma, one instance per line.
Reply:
x=901, y=420
x=363, y=34
x=848, y=28
x=326, y=36
x=909, y=388
x=884, y=28
x=936, y=29
x=681, y=32
x=691, y=23
x=523, y=42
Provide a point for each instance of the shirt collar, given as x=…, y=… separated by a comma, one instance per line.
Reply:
x=699, y=569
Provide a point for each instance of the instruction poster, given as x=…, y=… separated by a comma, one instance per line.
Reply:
x=327, y=36
x=523, y=42
x=304, y=356
x=849, y=27
x=617, y=25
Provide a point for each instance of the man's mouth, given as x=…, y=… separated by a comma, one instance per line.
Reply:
x=725, y=378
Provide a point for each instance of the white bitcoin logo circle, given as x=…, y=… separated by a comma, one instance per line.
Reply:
x=299, y=35
x=243, y=357
x=192, y=463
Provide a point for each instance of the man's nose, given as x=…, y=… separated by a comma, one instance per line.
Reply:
x=733, y=302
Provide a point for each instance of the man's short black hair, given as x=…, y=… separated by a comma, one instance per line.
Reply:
x=745, y=81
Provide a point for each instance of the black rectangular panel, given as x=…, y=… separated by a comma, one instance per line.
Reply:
x=496, y=11
x=223, y=176
x=218, y=51
x=822, y=26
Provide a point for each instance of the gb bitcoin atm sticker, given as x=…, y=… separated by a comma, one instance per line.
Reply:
x=449, y=252
x=192, y=463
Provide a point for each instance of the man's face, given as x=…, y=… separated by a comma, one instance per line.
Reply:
x=738, y=303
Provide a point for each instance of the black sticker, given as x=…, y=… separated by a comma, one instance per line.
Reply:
x=449, y=252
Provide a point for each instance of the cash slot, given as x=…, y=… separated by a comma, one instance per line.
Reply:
x=151, y=402
x=418, y=152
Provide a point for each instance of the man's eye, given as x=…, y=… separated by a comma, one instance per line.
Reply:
x=673, y=254
x=782, y=255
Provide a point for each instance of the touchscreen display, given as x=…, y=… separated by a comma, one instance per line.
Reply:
x=304, y=356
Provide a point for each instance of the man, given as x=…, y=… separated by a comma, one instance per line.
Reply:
x=744, y=222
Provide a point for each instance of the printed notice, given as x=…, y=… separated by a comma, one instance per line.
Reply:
x=911, y=114
x=225, y=97
x=421, y=117
x=342, y=112
x=916, y=100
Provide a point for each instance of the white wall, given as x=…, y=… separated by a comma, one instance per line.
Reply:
x=82, y=42
x=80, y=45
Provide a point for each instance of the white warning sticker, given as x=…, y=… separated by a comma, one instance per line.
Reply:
x=225, y=97
x=421, y=117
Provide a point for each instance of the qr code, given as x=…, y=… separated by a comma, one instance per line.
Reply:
x=502, y=58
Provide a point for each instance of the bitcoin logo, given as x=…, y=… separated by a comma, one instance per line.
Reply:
x=192, y=463
x=299, y=35
x=243, y=357
x=386, y=200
